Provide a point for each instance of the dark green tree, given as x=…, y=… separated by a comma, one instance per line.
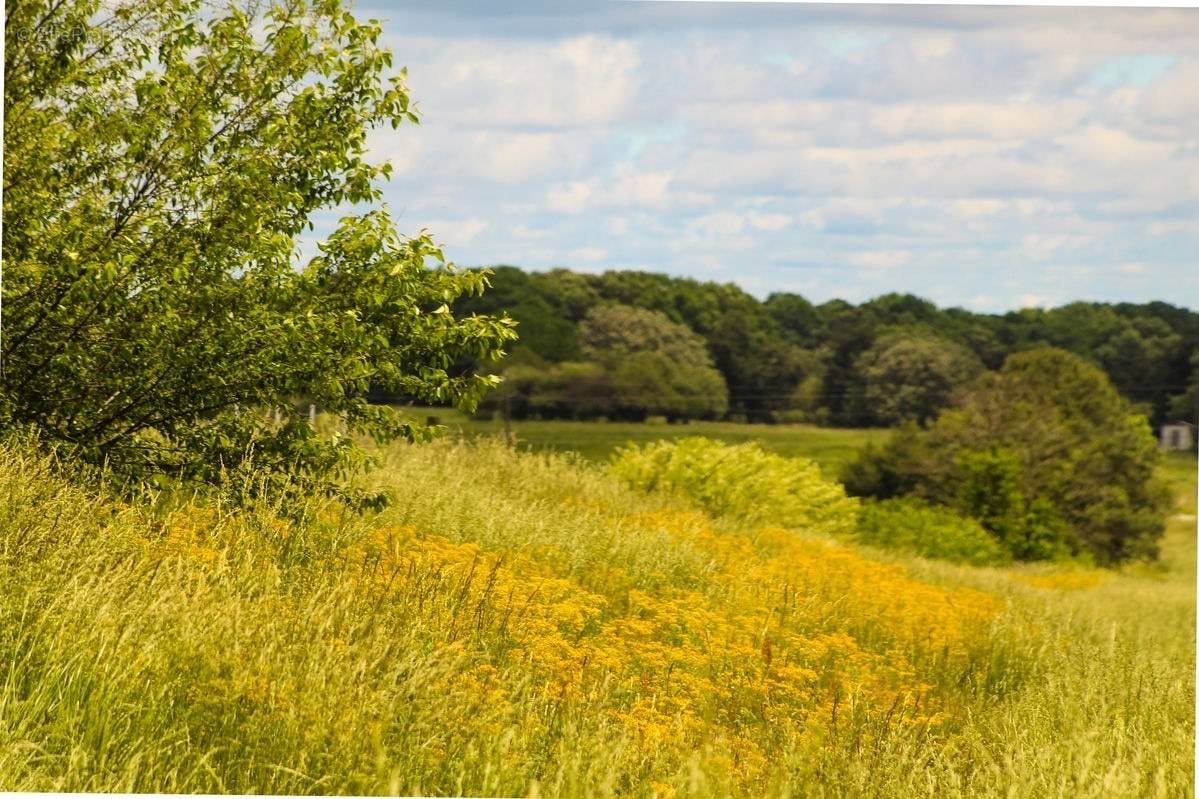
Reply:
x=1185, y=406
x=1071, y=458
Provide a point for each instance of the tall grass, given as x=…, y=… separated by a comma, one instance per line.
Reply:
x=517, y=624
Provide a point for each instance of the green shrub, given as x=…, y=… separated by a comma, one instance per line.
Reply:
x=890, y=469
x=990, y=491
x=913, y=525
x=742, y=481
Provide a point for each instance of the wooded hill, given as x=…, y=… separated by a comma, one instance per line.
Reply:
x=584, y=351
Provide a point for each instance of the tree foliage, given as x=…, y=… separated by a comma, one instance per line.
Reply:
x=161, y=162
x=913, y=377
x=1185, y=407
x=786, y=359
x=641, y=364
x=1045, y=454
x=913, y=525
x=614, y=332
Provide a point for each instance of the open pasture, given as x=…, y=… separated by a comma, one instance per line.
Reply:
x=595, y=441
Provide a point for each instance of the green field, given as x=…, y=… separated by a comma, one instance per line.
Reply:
x=595, y=441
x=1179, y=469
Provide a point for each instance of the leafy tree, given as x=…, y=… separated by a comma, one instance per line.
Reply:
x=1137, y=359
x=901, y=310
x=846, y=333
x=616, y=331
x=546, y=307
x=762, y=369
x=658, y=367
x=161, y=161
x=644, y=387
x=796, y=317
x=1185, y=406
x=652, y=384
x=760, y=366
x=571, y=293
x=913, y=376
x=1142, y=348
x=573, y=390
x=979, y=332
x=896, y=468
x=990, y=489
x=543, y=331
x=1076, y=461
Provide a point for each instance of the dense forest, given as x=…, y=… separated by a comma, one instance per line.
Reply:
x=627, y=344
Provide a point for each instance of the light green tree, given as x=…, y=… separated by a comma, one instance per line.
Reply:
x=657, y=366
x=913, y=377
x=162, y=160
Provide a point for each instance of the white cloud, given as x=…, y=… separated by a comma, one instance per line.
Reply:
x=635, y=187
x=570, y=198
x=1105, y=146
x=587, y=255
x=437, y=154
x=1134, y=268
x=576, y=81
x=770, y=222
x=1172, y=100
x=977, y=120
x=933, y=48
x=880, y=259
x=618, y=225
x=933, y=150
x=454, y=232
x=626, y=187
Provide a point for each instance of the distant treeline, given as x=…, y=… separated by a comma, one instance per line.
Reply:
x=631, y=344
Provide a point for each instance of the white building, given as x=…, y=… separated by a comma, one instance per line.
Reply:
x=1177, y=435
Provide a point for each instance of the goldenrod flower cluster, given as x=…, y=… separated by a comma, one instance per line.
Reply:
x=1080, y=580
x=785, y=639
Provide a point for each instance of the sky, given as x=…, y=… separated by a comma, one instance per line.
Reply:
x=983, y=157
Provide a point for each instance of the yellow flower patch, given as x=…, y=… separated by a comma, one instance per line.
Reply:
x=191, y=534
x=788, y=635
x=1064, y=581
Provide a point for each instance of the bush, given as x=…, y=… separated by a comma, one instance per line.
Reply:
x=913, y=525
x=989, y=490
x=889, y=470
x=742, y=481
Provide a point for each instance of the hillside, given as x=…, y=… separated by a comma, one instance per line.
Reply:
x=521, y=623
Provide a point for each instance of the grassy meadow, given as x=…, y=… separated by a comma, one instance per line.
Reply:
x=595, y=441
x=521, y=623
